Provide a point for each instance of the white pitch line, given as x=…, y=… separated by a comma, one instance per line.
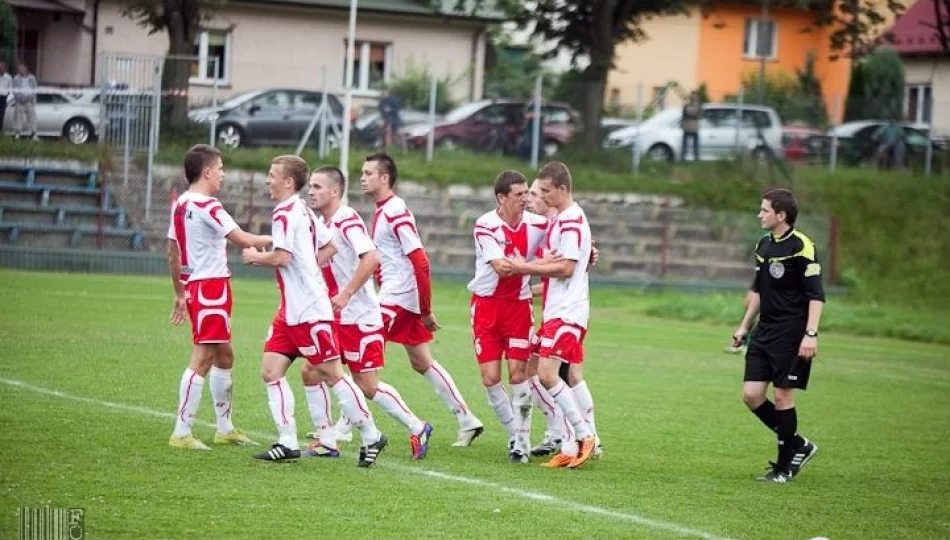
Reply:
x=524, y=494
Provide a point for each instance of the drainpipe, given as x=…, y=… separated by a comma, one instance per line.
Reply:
x=472, y=80
x=95, y=42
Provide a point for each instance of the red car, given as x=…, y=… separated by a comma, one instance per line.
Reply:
x=498, y=125
x=795, y=142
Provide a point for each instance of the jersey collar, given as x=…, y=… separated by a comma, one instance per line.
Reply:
x=379, y=204
x=786, y=236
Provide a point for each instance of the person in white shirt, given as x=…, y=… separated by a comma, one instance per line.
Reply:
x=405, y=292
x=502, y=311
x=566, y=308
x=303, y=325
x=198, y=233
x=359, y=322
x=24, y=92
x=6, y=85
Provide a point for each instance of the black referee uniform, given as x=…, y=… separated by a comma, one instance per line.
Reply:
x=787, y=278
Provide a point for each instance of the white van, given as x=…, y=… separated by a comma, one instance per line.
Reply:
x=721, y=135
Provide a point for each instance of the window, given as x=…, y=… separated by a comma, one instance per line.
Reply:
x=372, y=63
x=556, y=115
x=754, y=119
x=720, y=118
x=920, y=103
x=760, y=39
x=50, y=99
x=212, y=44
x=271, y=101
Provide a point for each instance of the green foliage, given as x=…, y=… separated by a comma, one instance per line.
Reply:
x=570, y=88
x=413, y=86
x=8, y=34
x=877, y=87
x=857, y=95
x=794, y=98
x=514, y=72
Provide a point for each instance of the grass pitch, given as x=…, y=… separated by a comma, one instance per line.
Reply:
x=89, y=376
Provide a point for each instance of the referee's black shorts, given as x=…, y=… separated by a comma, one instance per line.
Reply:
x=773, y=357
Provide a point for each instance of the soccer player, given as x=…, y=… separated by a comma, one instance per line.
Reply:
x=405, y=292
x=566, y=308
x=789, y=297
x=197, y=261
x=303, y=325
x=359, y=322
x=502, y=310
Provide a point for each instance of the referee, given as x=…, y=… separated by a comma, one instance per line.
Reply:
x=788, y=296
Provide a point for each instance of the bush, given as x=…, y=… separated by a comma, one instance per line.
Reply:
x=876, y=90
x=412, y=89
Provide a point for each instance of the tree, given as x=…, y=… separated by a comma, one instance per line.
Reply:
x=941, y=25
x=181, y=20
x=8, y=33
x=413, y=86
x=815, y=113
x=854, y=106
x=884, y=84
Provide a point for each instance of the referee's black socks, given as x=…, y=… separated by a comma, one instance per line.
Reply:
x=788, y=440
x=766, y=413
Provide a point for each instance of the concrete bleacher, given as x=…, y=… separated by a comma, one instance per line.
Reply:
x=57, y=205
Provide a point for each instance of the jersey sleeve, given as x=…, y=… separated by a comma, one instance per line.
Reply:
x=355, y=234
x=404, y=229
x=570, y=240
x=323, y=233
x=486, y=244
x=810, y=268
x=282, y=232
x=171, y=224
x=218, y=219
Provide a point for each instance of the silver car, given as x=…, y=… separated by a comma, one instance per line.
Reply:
x=59, y=114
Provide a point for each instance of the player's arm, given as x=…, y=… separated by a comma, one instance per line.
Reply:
x=537, y=289
x=277, y=258
x=245, y=239
x=369, y=262
x=487, y=245
x=179, y=309
x=325, y=253
x=753, y=304
x=560, y=268
x=815, y=292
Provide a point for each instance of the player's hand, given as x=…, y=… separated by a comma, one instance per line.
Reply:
x=179, y=311
x=249, y=255
x=430, y=323
x=739, y=337
x=809, y=348
x=505, y=268
x=341, y=300
x=594, y=254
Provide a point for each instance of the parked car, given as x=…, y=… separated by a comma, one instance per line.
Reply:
x=795, y=143
x=59, y=114
x=367, y=128
x=497, y=124
x=610, y=125
x=721, y=134
x=857, y=142
x=267, y=117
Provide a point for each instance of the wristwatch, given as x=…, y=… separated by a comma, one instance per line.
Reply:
x=811, y=332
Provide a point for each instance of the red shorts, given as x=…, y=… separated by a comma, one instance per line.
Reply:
x=403, y=326
x=363, y=346
x=501, y=328
x=209, y=308
x=562, y=341
x=315, y=341
x=535, y=343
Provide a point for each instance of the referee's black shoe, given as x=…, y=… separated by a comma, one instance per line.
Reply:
x=775, y=475
x=803, y=456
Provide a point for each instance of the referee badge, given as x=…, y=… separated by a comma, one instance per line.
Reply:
x=777, y=270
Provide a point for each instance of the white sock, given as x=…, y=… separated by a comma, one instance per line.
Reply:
x=318, y=403
x=568, y=439
x=585, y=402
x=189, y=397
x=445, y=387
x=565, y=399
x=552, y=413
x=343, y=426
x=354, y=407
x=521, y=406
x=391, y=401
x=499, y=400
x=221, y=394
x=281, y=400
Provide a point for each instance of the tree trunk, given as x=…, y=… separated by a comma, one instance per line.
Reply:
x=595, y=82
x=177, y=71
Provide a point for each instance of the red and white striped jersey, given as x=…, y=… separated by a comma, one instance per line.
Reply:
x=568, y=298
x=396, y=236
x=200, y=226
x=495, y=240
x=303, y=293
x=352, y=241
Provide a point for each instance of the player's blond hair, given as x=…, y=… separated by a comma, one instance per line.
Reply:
x=294, y=167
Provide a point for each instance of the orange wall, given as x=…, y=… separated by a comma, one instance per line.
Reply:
x=722, y=62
